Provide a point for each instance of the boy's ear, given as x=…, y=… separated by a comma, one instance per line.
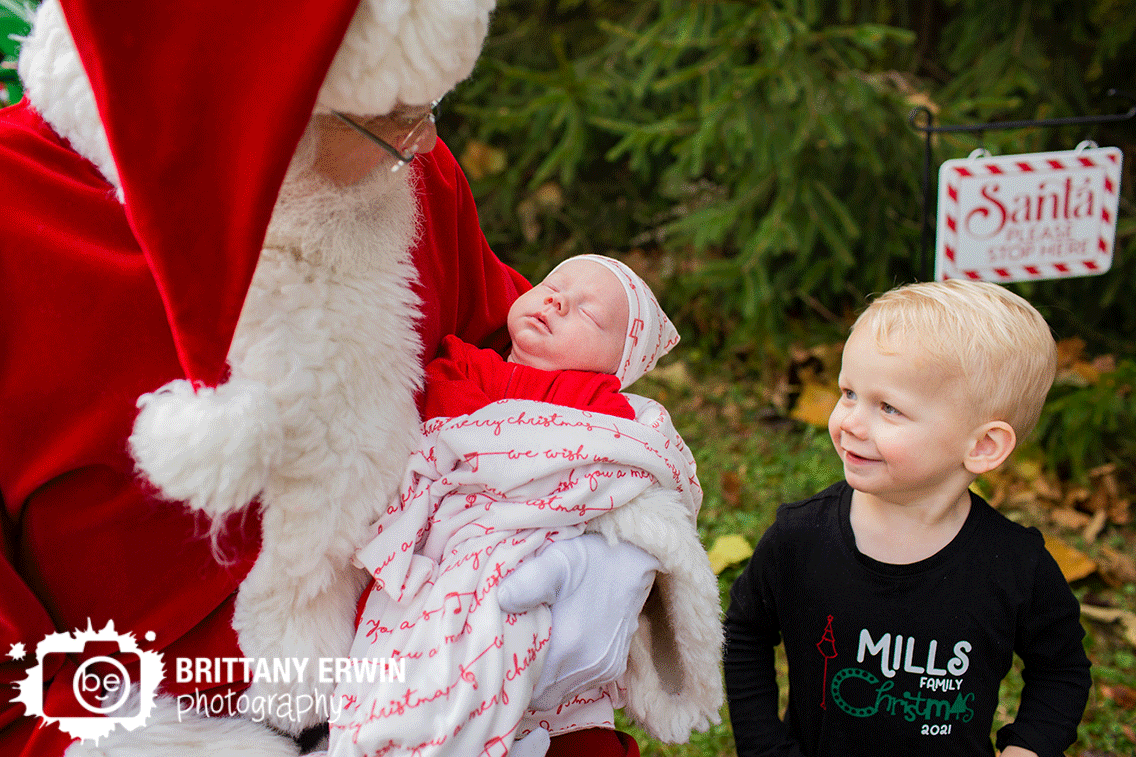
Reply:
x=993, y=443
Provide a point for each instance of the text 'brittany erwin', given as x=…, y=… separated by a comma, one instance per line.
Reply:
x=213, y=670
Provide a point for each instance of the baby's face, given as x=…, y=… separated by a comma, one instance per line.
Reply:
x=576, y=319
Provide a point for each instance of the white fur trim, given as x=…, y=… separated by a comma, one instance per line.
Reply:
x=211, y=448
x=408, y=51
x=57, y=86
x=318, y=417
x=335, y=351
x=166, y=734
x=673, y=680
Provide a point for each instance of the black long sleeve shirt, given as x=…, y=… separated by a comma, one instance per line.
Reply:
x=902, y=660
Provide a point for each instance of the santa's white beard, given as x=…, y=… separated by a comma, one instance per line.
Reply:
x=327, y=339
x=345, y=228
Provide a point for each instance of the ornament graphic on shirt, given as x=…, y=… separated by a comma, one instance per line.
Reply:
x=827, y=648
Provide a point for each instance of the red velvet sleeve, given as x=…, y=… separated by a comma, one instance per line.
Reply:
x=83, y=335
x=465, y=289
x=453, y=386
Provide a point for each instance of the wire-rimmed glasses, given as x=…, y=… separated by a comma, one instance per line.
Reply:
x=414, y=129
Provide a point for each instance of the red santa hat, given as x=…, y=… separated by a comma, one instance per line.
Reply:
x=193, y=110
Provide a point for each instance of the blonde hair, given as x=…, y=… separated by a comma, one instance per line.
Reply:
x=992, y=339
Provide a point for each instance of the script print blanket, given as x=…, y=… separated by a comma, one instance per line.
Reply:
x=483, y=492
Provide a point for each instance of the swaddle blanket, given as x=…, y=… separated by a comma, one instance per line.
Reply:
x=484, y=491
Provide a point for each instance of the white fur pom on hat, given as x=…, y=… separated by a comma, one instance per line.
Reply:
x=404, y=51
x=650, y=333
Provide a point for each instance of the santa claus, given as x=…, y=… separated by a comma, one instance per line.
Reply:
x=218, y=299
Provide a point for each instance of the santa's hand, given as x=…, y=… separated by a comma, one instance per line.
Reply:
x=596, y=592
x=535, y=744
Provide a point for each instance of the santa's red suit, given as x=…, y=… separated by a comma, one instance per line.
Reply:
x=139, y=179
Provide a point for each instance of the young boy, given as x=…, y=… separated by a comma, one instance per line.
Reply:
x=495, y=481
x=901, y=596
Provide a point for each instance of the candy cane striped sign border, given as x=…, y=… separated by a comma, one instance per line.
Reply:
x=959, y=255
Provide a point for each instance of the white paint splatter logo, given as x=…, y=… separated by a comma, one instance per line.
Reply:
x=101, y=682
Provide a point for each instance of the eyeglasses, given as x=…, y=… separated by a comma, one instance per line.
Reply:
x=415, y=129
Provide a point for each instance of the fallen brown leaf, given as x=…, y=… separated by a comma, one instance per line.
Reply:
x=1105, y=475
x=1126, y=618
x=731, y=488
x=1073, y=496
x=1120, y=512
x=1047, y=487
x=1095, y=526
x=1123, y=696
x=1074, y=564
x=1073, y=520
x=1117, y=568
x=1098, y=501
x=1022, y=499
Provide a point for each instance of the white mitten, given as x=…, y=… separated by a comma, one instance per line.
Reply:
x=211, y=448
x=534, y=744
x=596, y=591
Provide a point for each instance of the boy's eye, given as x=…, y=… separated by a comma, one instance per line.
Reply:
x=888, y=409
x=849, y=394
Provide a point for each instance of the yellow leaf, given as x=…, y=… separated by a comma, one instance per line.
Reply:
x=1085, y=371
x=1074, y=564
x=728, y=550
x=1030, y=470
x=480, y=160
x=1069, y=351
x=815, y=404
x=674, y=375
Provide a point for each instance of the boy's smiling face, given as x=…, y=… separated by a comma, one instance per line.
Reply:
x=576, y=319
x=902, y=427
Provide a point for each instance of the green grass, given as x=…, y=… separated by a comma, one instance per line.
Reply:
x=749, y=461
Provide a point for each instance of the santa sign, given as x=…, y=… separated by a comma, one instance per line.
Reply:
x=1027, y=217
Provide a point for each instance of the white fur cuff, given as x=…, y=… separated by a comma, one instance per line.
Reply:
x=211, y=448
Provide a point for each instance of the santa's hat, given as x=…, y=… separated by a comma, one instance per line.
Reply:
x=650, y=333
x=193, y=110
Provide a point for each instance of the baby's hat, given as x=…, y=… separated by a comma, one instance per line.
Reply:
x=650, y=334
